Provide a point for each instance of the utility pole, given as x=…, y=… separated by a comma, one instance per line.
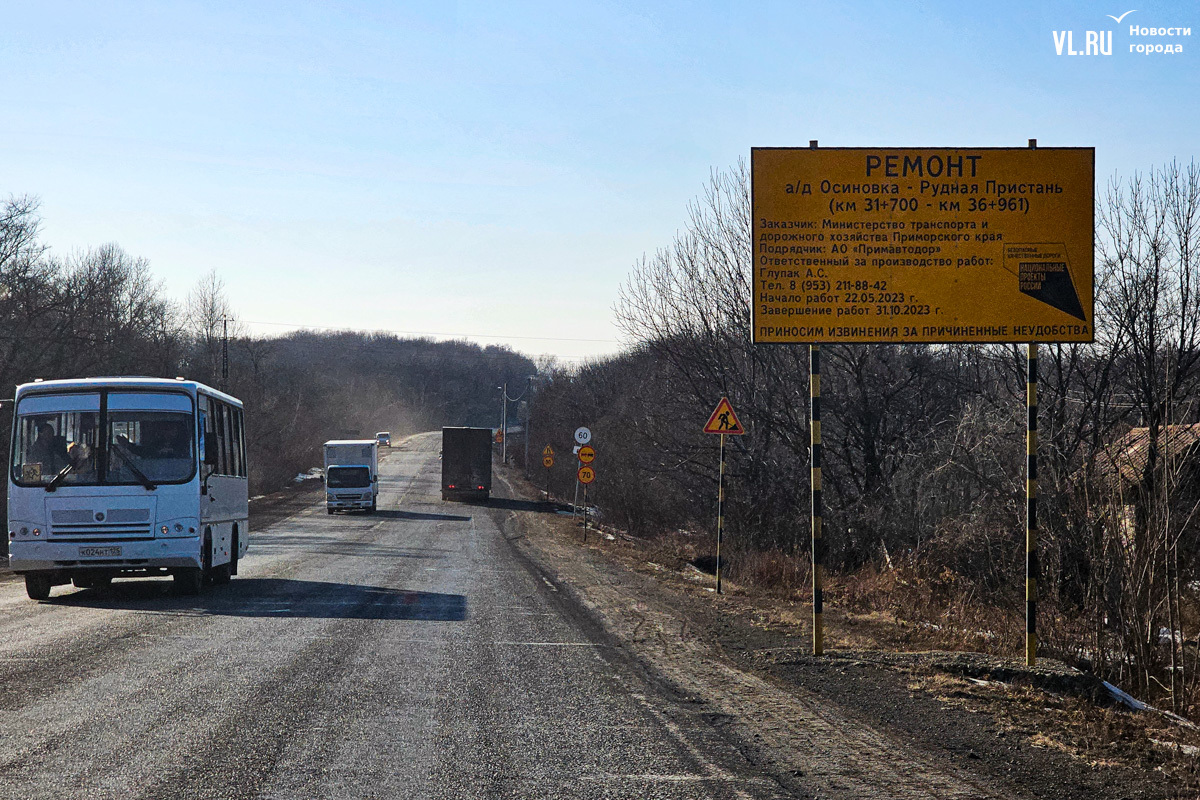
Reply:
x=504, y=400
x=224, y=353
x=528, y=413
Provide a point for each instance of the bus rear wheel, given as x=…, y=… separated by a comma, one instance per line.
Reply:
x=38, y=586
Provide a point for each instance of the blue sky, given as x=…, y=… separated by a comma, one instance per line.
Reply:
x=496, y=168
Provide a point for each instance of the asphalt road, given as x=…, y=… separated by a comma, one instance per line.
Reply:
x=412, y=653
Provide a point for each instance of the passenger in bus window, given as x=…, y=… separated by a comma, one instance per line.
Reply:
x=49, y=449
x=166, y=450
x=83, y=466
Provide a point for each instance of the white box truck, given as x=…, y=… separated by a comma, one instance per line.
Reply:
x=351, y=475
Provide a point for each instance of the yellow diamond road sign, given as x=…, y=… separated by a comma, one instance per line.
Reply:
x=922, y=244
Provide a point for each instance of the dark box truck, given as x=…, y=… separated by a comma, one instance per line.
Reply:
x=466, y=463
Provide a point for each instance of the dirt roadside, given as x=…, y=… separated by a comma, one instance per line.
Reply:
x=860, y=722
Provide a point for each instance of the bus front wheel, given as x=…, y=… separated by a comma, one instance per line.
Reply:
x=189, y=580
x=38, y=586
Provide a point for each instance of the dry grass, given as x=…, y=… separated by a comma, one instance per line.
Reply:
x=907, y=609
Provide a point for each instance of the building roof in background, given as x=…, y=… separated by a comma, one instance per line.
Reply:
x=1128, y=455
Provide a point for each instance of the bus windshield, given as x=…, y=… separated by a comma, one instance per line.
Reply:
x=59, y=437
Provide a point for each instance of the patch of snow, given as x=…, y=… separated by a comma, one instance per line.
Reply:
x=313, y=474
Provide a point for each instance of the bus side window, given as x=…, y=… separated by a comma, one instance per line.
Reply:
x=223, y=433
x=239, y=451
x=229, y=468
x=242, y=440
x=206, y=433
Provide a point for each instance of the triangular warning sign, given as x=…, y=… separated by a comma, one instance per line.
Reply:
x=724, y=420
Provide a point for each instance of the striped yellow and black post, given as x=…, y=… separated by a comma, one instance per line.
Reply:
x=818, y=554
x=720, y=510
x=1031, y=555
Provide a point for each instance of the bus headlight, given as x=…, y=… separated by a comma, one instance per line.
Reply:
x=175, y=527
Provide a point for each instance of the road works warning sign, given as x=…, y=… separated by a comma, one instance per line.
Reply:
x=724, y=420
x=922, y=244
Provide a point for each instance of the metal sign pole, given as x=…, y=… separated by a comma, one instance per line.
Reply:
x=720, y=510
x=1031, y=554
x=818, y=555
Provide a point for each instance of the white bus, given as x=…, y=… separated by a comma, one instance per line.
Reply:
x=118, y=477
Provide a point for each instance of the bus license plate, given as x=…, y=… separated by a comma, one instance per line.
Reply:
x=99, y=552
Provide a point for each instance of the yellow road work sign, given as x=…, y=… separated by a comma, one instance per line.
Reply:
x=548, y=451
x=724, y=420
x=922, y=244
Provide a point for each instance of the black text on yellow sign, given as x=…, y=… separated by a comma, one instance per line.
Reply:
x=922, y=244
x=547, y=461
x=586, y=474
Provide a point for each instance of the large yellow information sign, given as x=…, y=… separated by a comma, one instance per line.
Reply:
x=922, y=244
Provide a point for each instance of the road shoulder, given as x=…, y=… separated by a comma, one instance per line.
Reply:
x=845, y=725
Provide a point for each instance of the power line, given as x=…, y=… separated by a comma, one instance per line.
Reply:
x=425, y=333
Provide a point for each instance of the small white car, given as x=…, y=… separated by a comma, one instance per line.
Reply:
x=383, y=439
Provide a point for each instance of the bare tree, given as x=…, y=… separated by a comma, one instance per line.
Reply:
x=209, y=320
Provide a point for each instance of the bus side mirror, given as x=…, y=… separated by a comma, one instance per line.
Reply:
x=210, y=451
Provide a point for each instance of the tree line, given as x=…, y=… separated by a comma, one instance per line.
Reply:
x=101, y=311
x=923, y=454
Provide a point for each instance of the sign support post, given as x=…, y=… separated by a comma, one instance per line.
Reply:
x=1031, y=528
x=720, y=510
x=583, y=435
x=548, y=462
x=722, y=421
x=818, y=554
